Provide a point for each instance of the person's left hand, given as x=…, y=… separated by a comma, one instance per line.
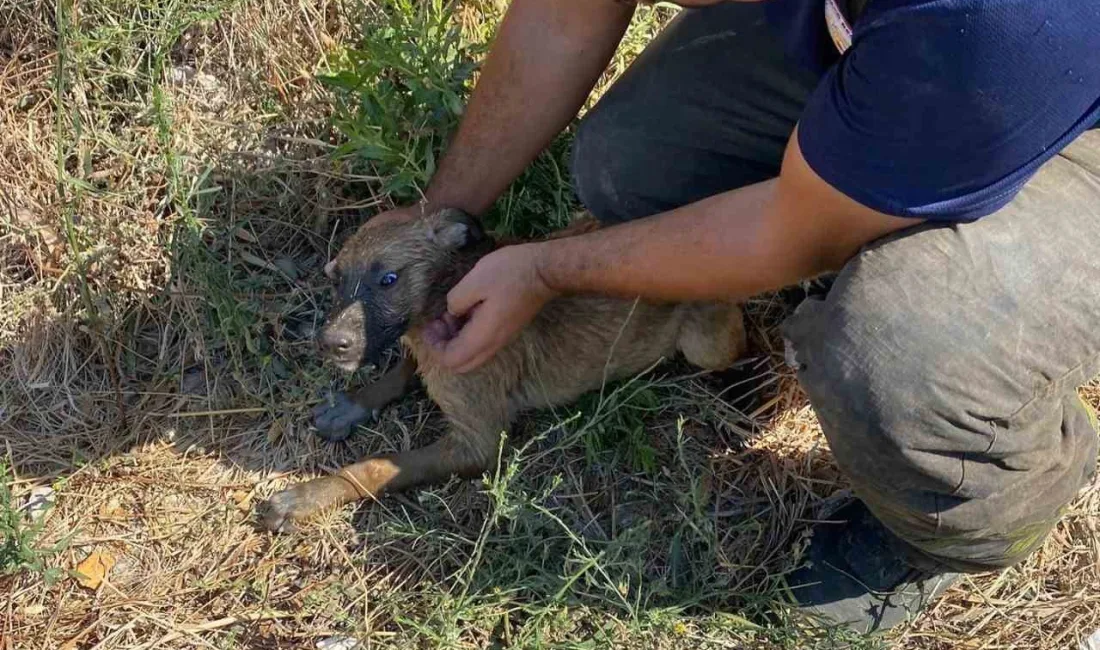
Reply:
x=498, y=298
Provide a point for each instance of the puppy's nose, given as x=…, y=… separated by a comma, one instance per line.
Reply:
x=333, y=340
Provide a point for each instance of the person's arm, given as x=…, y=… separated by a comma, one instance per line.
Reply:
x=545, y=59
x=727, y=247
x=730, y=246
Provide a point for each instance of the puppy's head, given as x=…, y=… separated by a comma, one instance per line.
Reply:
x=394, y=276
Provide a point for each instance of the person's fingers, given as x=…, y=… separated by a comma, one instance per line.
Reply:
x=461, y=353
x=469, y=343
x=453, y=324
x=487, y=352
x=476, y=342
x=465, y=295
x=476, y=363
x=496, y=340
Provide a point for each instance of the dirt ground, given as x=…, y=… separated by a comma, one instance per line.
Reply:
x=169, y=191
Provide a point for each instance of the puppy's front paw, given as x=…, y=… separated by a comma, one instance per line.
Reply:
x=335, y=421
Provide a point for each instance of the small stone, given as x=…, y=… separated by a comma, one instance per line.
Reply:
x=287, y=265
x=40, y=500
x=338, y=643
x=180, y=75
x=1092, y=642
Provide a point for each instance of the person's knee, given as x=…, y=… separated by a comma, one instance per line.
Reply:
x=868, y=388
x=591, y=146
x=932, y=435
x=891, y=436
x=606, y=170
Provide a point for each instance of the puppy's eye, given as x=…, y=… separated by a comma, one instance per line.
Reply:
x=387, y=279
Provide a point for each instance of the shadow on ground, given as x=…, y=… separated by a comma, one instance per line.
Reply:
x=163, y=423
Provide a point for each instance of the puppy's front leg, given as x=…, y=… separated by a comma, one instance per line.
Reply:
x=335, y=422
x=465, y=451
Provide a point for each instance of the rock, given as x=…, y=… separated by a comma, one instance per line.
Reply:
x=40, y=500
x=338, y=643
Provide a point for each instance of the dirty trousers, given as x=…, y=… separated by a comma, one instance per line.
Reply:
x=944, y=361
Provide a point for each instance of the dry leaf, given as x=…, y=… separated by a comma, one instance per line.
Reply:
x=276, y=431
x=257, y=261
x=112, y=509
x=241, y=233
x=243, y=499
x=94, y=568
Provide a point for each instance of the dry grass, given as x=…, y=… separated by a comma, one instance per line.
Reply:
x=166, y=200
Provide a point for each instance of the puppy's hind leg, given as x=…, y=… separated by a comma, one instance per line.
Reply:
x=712, y=336
x=335, y=421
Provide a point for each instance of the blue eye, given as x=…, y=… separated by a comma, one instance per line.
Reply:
x=387, y=279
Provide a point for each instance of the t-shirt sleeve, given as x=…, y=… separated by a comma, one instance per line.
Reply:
x=943, y=109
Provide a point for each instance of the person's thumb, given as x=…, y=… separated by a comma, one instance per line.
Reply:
x=465, y=295
x=473, y=342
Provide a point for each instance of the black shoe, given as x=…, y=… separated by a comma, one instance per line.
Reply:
x=862, y=576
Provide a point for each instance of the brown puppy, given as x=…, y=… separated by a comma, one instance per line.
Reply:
x=392, y=283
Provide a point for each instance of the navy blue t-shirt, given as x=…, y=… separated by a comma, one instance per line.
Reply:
x=942, y=109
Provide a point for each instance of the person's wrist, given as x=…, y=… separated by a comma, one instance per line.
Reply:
x=411, y=211
x=471, y=200
x=542, y=260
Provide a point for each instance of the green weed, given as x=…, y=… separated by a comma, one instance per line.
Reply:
x=401, y=91
x=617, y=427
x=400, y=94
x=20, y=549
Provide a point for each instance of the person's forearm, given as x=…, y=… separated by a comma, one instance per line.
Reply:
x=718, y=248
x=730, y=246
x=545, y=60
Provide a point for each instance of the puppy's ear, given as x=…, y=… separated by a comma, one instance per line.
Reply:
x=454, y=229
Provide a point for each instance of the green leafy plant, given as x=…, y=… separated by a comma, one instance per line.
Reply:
x=617, y=427
x=401, y=91
x=20, y=550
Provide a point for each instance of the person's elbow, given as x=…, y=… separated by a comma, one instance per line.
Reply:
x=830, y=226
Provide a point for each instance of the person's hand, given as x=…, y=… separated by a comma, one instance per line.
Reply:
x=497, y=299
